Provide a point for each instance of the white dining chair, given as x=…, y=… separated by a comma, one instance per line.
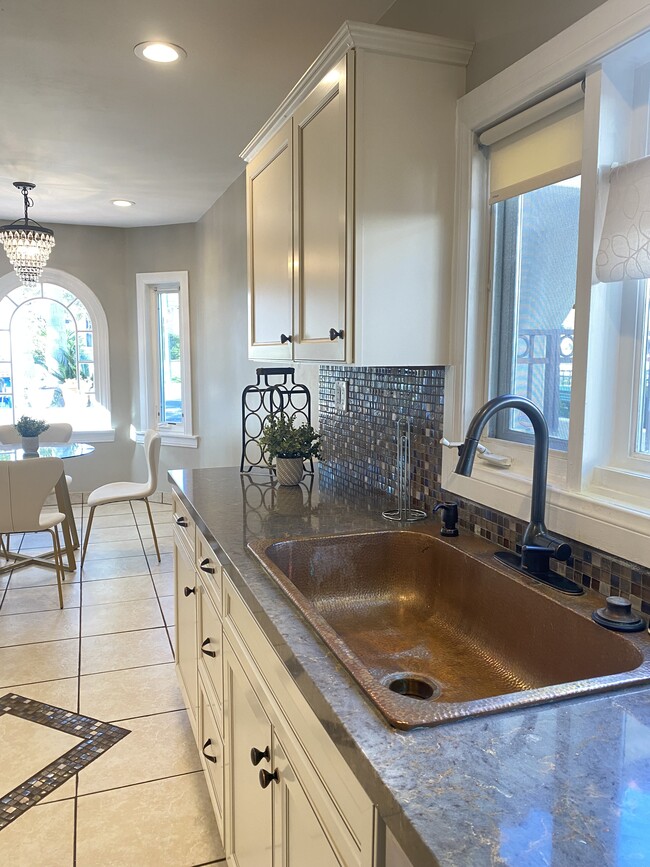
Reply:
x=118, y=492
x=57, y=432
x=24, y=487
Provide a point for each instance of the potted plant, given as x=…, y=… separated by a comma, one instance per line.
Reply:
x=289, y=446
x=29, y=429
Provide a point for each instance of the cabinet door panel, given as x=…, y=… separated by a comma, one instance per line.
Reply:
x=299, y=835
x=320, y=157
x=270, y=231
x=250, y=806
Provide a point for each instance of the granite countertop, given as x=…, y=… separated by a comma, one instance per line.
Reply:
x=566, y=784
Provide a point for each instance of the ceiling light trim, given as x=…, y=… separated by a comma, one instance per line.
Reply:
x=141, y=48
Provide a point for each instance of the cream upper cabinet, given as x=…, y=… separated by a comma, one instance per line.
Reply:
x=372, y=151
x=320, y=219
x=270, y=239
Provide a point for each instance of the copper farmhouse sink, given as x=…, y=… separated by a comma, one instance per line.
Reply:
x=435, y=630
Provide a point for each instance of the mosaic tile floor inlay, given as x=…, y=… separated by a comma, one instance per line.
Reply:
x=96, y=737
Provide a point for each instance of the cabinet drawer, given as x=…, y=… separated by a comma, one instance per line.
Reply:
x=211, y=652
x=209, y=569
x=212, y=756
x=184, y=527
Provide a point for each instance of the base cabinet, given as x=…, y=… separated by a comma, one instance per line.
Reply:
x=282, y=794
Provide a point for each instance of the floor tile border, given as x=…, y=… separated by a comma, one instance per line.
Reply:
x=96, y=738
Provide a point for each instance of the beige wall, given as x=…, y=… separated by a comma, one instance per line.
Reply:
x=220, y=330
x=503, y=30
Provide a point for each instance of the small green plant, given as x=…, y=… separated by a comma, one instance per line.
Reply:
x=280, y=439
x=30, y=427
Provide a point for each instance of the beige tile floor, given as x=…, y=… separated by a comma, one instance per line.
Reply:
x=108, y=654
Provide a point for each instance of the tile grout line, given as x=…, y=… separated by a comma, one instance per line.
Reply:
x=139, y=783
x=76, y=789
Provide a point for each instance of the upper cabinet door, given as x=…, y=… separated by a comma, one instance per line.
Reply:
x=270, y=250
x=321, y=179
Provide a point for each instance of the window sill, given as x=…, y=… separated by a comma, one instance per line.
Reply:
x=592, y=517
x=167, y=438
x=93, y=436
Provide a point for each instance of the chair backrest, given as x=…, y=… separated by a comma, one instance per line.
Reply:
x=152, y=455
x=24, y=487
x=57, y=432
x=9, y=436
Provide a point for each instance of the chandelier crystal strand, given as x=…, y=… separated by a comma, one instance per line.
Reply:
x=27, y=244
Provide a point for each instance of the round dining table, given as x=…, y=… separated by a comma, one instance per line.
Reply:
x=70, y=537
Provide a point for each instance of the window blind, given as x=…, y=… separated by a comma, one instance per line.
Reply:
x=540, y=146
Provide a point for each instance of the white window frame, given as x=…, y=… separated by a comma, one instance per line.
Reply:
x=101, y=354
x=579, y=506
x=149, y=354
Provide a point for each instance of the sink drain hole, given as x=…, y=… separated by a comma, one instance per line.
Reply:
x=413, y=686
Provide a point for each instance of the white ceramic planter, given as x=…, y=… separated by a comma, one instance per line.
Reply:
x=289, y=470
x=30, y=445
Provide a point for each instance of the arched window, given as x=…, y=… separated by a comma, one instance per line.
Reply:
x=53, y=352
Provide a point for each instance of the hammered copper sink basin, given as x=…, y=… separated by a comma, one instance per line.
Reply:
x=435, y=630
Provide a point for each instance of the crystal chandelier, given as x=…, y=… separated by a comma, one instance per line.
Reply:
x=27, y=243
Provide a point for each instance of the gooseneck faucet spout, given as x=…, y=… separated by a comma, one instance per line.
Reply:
x=537, y=544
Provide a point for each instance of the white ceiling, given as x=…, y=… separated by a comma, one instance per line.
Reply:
x=87, y=122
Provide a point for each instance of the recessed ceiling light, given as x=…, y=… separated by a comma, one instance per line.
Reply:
x=122, y=203
x=159, y=52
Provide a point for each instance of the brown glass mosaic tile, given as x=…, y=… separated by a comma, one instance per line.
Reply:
x=96, y=738
x=360, y=451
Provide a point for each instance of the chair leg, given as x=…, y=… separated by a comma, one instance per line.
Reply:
x=58, y=562
x=87, y=534
x=153, y=529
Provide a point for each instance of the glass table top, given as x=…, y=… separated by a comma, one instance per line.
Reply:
x=47, y=450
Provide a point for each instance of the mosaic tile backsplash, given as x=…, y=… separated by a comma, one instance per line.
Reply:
x=360, y=453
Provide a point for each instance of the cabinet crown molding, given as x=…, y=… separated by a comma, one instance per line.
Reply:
x=371, y=37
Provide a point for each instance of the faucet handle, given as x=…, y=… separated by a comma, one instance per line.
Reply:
x=535, y=558
x=449, y=518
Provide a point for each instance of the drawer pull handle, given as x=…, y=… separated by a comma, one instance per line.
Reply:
x=181, y=521
x=258, y=755
x=266, y=779
x=285, y=338
x=334, y=333
x=187, y=591
x=209, y=758
x=211, y=653
x=206, y=568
